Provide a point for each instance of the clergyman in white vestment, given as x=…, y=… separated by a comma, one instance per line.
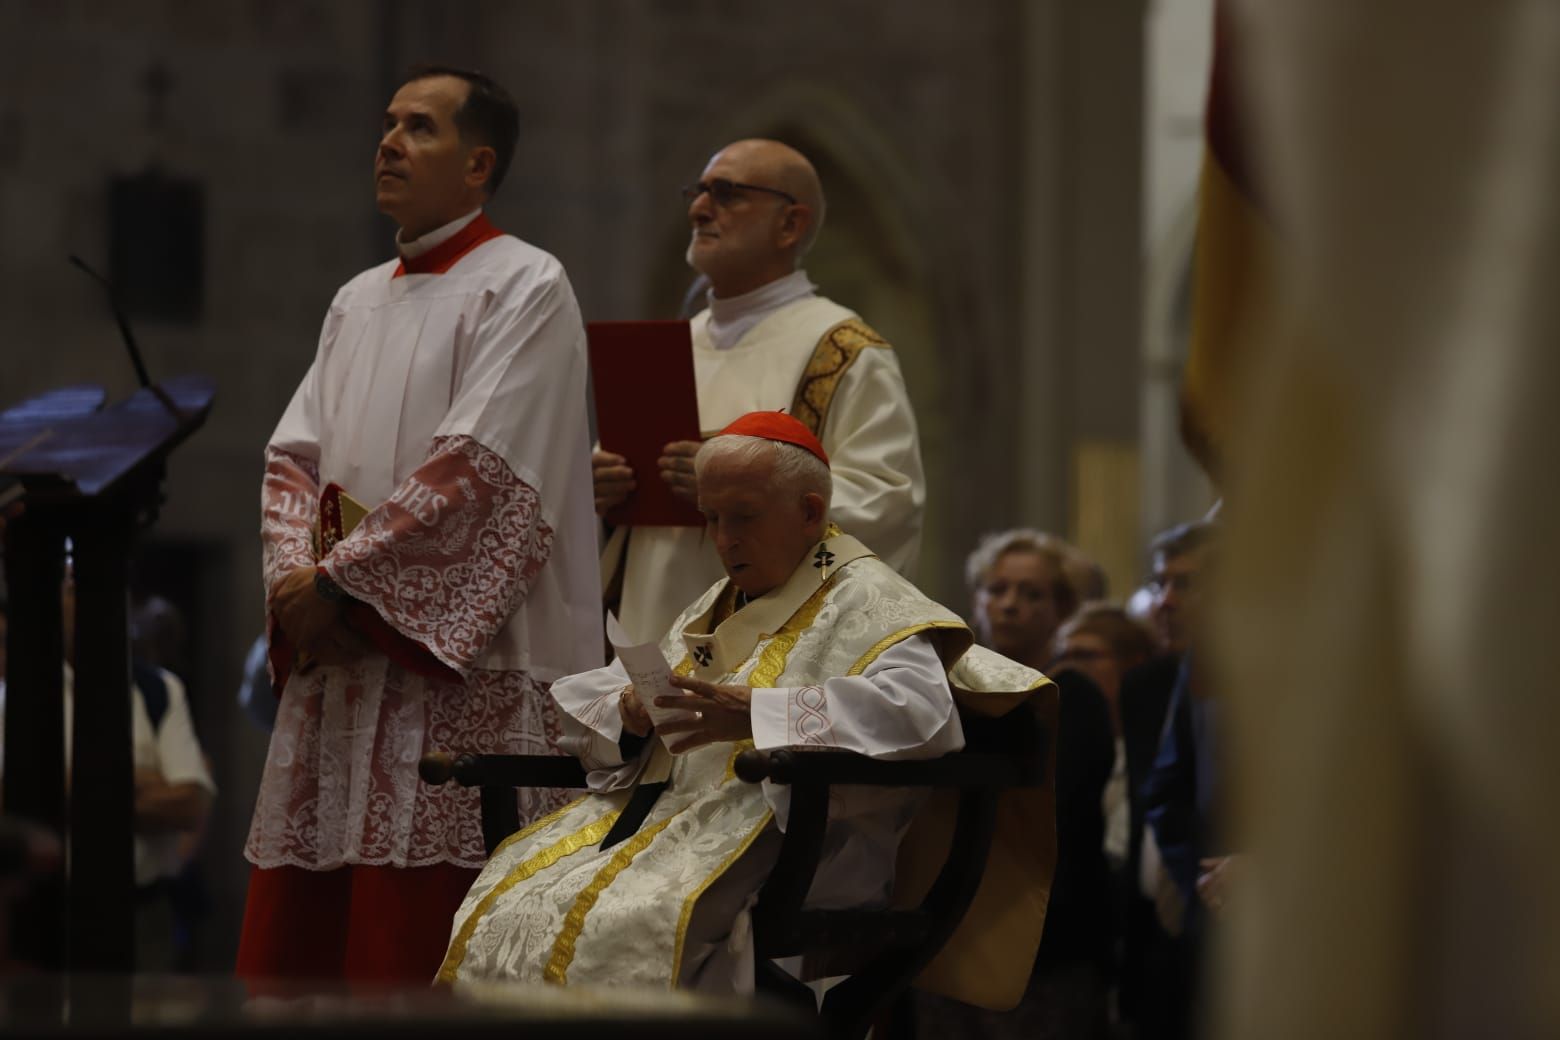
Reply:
x=767, y=341
x=812, y=642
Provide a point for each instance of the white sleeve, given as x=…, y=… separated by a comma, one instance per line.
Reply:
x=521, y=389
x=875, y=460
x=900, y=707
x=178, y=751
x=592, y=725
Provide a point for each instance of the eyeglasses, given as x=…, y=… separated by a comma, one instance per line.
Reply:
x=724, y=192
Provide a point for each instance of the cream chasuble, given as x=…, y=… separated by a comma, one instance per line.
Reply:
x=869, y=433
x=846, y=654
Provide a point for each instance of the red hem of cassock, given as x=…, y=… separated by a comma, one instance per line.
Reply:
x=355, y=923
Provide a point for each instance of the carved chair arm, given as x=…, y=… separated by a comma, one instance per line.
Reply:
x=440, y=767
x=962, y=770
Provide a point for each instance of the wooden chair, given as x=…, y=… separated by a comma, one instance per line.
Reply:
x=882, y=950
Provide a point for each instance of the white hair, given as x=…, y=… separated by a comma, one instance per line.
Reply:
x=795, y=468
x=994, y=546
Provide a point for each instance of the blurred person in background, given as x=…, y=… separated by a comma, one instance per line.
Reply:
x=173, y=792
x=1103, y=643
x=1021, y=591
x=175, y=906
x=1177, y=557
x=1183, y=793
x=1150, y=997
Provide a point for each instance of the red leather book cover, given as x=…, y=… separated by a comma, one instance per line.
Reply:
x=642, y=374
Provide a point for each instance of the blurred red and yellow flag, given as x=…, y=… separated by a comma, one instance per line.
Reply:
x=1232, y=264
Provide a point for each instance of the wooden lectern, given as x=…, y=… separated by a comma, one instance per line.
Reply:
x=92, y=474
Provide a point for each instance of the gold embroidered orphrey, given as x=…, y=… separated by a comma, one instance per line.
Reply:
x=836, y=351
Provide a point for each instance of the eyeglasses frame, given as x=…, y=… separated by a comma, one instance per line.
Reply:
x=692, y=191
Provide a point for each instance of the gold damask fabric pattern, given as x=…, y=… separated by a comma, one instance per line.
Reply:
x=579, y=914
x=831, y=359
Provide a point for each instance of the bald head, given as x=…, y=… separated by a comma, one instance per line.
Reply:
x=758, y=234
x=778, y=165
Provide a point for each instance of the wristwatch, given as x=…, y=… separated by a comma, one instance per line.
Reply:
x=327, y=588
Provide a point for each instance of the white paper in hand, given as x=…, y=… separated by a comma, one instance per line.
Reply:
x=647, y=670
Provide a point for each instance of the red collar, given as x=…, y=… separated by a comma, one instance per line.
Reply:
x=446, y=254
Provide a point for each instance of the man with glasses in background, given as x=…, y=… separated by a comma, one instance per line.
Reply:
x=768, y=341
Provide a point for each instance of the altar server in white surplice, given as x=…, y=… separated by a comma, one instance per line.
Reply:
x=810, y=642
x=768, y=341
x=448, y=398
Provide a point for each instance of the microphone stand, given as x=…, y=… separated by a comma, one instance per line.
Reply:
x=129, y=339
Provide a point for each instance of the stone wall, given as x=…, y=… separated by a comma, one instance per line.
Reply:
x=914, y=108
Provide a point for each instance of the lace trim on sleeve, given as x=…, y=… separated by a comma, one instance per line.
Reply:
x=452, y=554
x=289, y=500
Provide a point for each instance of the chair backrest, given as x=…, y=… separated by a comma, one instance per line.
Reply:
x=885, y=949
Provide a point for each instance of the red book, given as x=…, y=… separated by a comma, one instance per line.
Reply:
x=642, y=372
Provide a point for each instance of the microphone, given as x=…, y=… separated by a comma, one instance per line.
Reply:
x=129, y=337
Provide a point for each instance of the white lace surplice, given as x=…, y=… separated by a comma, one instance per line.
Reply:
x=456, y=403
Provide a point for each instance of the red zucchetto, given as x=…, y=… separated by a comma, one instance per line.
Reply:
x=777, y=426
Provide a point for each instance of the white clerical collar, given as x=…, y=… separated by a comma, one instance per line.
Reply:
x=733, y=317
x=436, y=237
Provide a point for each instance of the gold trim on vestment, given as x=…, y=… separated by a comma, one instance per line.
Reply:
x=693, y=897
x=721, y=646
x=531, y=828
x=771, y=663
x=590, y=834
x=898, y=637
x=557, y=970
x=836, y=351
